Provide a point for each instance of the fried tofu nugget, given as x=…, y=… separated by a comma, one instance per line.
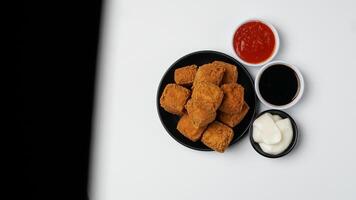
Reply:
x=208, y=94
x=185, y=75
x=201, y=114
x=233, y=98
x=185, y=127
x=209, y=73
x=231, y=73
x=234, y=119
x=173, y=98
x=217, y=136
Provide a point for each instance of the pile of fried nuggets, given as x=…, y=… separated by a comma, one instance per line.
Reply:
x=214, y=93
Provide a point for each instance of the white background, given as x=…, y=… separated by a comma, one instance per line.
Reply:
x=135, y=158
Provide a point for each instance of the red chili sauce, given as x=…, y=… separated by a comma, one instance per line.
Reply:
x=254, y=42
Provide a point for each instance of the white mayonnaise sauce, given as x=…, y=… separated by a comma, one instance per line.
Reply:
x=272, y=133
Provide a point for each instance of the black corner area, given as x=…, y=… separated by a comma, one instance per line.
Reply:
x=58, y=45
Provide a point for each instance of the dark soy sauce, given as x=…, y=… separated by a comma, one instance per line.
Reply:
x=279, y=85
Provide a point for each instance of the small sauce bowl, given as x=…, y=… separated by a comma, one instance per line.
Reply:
x=299, y=77
x=283, y=115
x=275, y=50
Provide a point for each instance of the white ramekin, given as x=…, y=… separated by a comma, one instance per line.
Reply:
x=275, y=51
x=300, y=89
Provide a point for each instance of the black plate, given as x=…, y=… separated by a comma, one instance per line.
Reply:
x=283, y=115
x=170, y=121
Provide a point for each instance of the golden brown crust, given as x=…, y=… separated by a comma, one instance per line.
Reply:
x=209, y=73
x=233, y=98
x=217, y=136
x=185, y=75
x=185, y=127
x=201, y=114
x=208, y=93
x=234, y=119
x=231, y=73
x=174, y=98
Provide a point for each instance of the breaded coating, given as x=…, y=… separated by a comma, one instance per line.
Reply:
x=233, y=98
x=234, y=119
x=185, y=75
x=185, y=127
x=209, y=73
x=174, y=98
x=201, y=114
x=217, y=136
x=208, y=94
x=231, y=73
